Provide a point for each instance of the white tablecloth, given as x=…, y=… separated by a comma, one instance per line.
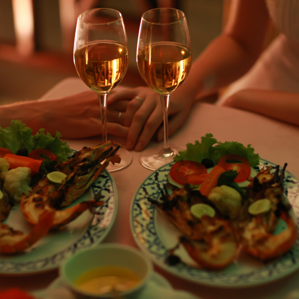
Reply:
x=275, y=141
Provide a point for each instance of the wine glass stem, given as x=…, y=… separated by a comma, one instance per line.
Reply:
x=103, y=114
x=165, y=105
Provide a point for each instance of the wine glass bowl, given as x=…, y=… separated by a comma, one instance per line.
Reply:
x=101, y=60
x=101, y=52
x=166, y=67
x=164, y=60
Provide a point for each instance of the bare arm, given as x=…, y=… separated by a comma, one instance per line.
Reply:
x=75, y=116
x=232, y=54
x=279, y=105
x=226, y=59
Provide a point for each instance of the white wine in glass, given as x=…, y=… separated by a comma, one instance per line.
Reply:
x=164, y=60
x=101, y=60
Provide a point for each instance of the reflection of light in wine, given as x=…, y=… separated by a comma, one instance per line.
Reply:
x=183, y=52
x=101, y=65
x=86, y=57
x=149, y=55
x=181, y=69
x=114, y=70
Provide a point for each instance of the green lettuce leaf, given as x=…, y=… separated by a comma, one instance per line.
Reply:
x=212, y=149
x=18, y=135
x=198, y=150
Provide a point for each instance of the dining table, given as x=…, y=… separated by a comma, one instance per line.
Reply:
x=273, y=140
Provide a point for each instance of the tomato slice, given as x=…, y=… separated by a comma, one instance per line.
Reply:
x=4, y=151
x=190, y=172
x=37, y=154
x=237, y=163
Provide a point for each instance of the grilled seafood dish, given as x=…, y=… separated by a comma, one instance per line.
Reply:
x=5, y=203
x=209, y=241
x=47, y=206
x=81, y=170
x=218, y=248
x=13, y=241
x=214, y=238
x=256, y=231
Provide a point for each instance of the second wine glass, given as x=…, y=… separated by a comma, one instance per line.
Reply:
x=164, y=60
x=101, y=60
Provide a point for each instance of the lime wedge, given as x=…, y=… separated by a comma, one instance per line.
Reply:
x=260, y=206
x=200, y=209
x=56, y=177
x=1, y=194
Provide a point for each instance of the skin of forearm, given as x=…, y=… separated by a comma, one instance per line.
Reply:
x=24, y=111
x=283, y=106
x=223, y=61
x=53, y=115
x=232, y=54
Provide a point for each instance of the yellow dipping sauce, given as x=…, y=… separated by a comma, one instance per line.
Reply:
x=103, y=280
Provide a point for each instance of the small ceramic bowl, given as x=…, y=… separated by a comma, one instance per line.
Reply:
x=107, y=255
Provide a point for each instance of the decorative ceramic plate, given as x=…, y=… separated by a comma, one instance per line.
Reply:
x=155, y=236
x=87, y=230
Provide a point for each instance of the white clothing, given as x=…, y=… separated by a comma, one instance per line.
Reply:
x=278, y=67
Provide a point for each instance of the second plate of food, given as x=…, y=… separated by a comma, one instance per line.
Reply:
x=157, y=237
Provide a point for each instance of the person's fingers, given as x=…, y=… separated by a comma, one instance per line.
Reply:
x=152, y=124
x=139, y=120
x=119, y=106
x=124, y=94
x=132, y=108
x=117, y=130
x=117, y=117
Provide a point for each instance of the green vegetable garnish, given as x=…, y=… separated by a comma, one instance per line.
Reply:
x=212, y=149
x=18, y=135
x=227, y=178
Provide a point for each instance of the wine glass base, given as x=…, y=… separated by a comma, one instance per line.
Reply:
x=154, y=158
x=126, y=160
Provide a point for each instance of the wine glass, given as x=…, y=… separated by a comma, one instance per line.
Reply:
x=164, y=60
x=101, y=60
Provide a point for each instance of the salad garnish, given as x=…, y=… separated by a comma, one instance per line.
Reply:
x=210, y=148
x=18, y=136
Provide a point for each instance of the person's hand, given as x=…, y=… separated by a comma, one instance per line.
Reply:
x=78, y=116
x=144, y=114
x=74, y=116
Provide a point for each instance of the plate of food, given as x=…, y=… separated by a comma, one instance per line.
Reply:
x=54, y=201
x=219, y=215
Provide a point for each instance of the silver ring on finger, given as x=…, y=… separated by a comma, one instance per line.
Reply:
x=139, y=99
x=119, y=117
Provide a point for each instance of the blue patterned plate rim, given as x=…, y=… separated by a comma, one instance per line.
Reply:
x=144, y=230
x=95, y=233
